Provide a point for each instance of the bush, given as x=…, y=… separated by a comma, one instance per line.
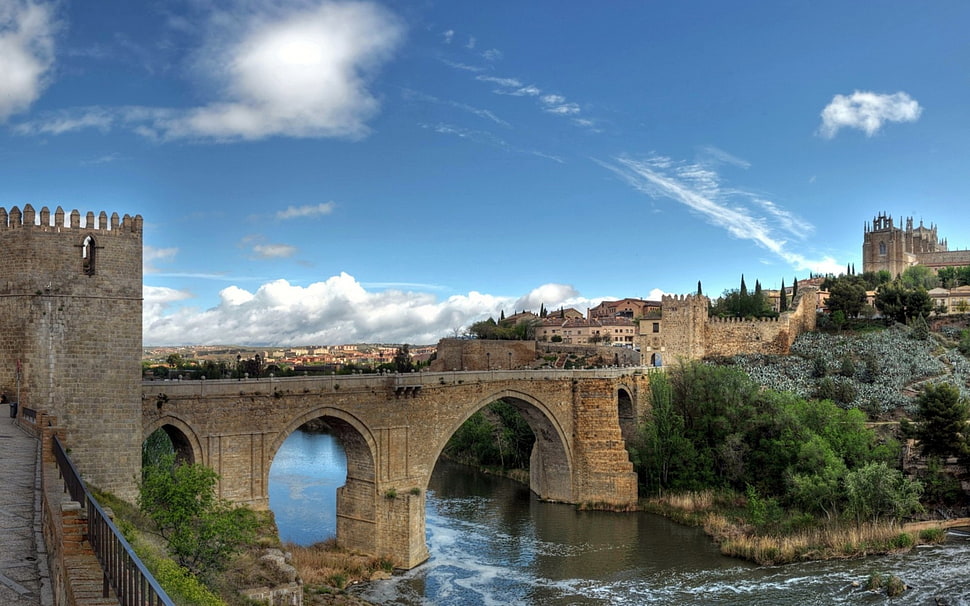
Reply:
x=202, y=530
x=182, y=587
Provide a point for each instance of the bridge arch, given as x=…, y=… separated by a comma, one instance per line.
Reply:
x=187, y=445
x=357, y=505
x=551, y=464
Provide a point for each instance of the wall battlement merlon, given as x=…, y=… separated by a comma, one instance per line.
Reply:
x=29, y=218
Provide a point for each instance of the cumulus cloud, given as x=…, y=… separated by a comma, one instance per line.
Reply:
x=338, y=310
x=742, y=214
x=867, y=111
x=303, y=74
x=301, y=70
x=27, y=50
x=309, y=210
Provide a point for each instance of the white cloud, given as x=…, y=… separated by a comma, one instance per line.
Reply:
x=867, y=111
x=309, y=210
x=736, y=211
x=27, y=32
x=295, y=72
x=338, y=310
x=492, y=54
x=448, y=36
x=150, y=254
x=274, y=251
x=303, y=74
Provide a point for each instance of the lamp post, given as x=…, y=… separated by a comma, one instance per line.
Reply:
x=510, y=360
x=488, y=360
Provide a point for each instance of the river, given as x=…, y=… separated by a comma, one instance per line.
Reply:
x=493, y=542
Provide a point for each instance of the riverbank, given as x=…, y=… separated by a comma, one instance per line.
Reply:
x=330, y=573
x=721, y=516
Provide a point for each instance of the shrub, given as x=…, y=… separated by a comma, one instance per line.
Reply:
x=182, y=586
x=895, y=586
x=202, y=530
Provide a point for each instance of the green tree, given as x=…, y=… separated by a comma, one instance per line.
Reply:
x=782, y=297
x=663, y=450
x=899, y=303
x=846, y=294
x=941, y=421
x=202, y=531
x=877, y=492
x=919, y=276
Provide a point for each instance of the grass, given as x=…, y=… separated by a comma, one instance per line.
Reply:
x=722, y=518
x=328, y=569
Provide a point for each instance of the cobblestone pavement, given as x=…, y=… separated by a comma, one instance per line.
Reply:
x=24, y=576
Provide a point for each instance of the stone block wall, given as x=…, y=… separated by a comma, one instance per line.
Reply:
x=73, y=330
x=689, y=334
x=483, y=354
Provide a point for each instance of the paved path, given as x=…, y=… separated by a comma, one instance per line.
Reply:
x=24, y=576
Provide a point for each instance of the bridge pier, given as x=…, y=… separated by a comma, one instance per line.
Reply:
x=603, y=474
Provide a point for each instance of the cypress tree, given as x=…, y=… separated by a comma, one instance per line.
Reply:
x=783, y=298
x=699, y=292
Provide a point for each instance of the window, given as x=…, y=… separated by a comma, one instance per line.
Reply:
x=882, y=248
x=656, y=327
x=87, y=256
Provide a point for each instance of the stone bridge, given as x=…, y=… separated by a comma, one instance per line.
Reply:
x=393, y=429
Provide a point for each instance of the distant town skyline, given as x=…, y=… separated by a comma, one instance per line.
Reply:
x=343, y=172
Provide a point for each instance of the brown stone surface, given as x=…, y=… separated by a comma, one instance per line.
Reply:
x=394, y=427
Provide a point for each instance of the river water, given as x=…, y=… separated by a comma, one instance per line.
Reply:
x=493, y=542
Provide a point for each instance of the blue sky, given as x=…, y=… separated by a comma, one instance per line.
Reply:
x=320, y=172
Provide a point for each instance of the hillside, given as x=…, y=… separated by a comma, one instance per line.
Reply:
x=878, y=371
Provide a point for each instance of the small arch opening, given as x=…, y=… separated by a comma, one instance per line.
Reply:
x=88, y=256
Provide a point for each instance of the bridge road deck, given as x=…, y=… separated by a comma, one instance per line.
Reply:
x=24, y=577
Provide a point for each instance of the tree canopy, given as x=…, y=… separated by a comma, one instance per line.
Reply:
x=713, y=427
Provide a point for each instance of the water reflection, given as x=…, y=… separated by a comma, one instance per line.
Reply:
x=303, y=482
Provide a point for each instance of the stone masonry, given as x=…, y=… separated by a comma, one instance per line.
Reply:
x=70, y=332
x=393, y=429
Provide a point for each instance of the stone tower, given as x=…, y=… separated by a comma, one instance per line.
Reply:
x=685, y=318
x=70, y=333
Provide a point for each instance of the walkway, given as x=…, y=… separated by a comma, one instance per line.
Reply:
x=24, y=577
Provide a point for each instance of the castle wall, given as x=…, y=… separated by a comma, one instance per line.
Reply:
x=75, y=332
x=687, y=333
x=730, y=336
x=483, y=354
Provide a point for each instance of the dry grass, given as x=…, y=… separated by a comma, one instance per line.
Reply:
x=721, y=516
x=328, y=564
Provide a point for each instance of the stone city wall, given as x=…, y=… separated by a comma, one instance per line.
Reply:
x=483, y=354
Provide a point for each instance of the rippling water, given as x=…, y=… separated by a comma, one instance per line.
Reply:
x=492, y=542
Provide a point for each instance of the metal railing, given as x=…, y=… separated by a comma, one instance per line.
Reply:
x=123, y=570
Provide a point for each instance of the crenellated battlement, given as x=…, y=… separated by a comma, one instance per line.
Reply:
x=45, y=221
x=716, y=320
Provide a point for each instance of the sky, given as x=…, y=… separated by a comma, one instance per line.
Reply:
x=340, y=172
